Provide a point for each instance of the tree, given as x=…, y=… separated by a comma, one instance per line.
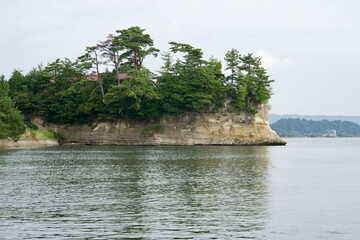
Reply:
x=54, y=68
x=253, y=84
x=42, y=90
x=135, y=45
x=75, y=104
x=65, y=71
x=168, y=62
x=192, y=84
x=63, y=91
x=193, y=56
x=232, y=59
x=11, y=120
x=135, y=98
x=91, y=59
x=20, y=91
x=33, y=92
x=110, y=51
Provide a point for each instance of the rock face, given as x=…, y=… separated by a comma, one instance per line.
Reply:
x=188, y=129
x=27, y=143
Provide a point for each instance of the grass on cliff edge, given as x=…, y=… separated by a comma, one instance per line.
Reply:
x=39, y=134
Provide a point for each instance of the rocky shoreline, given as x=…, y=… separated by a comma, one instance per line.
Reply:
x=188, y=129
x=30, y=139
x=28, y=143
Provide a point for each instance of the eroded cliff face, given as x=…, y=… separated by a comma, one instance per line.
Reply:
x=188, y=129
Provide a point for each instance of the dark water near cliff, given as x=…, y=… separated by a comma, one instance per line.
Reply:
x=309, y=189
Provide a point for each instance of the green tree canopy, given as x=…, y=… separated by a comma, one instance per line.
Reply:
x=79, y=91
x=192, y=84
x=232, y=59
x=135, y=98
x=135, y=46
x=11, y=120
x=253, y=84
x=193, y=56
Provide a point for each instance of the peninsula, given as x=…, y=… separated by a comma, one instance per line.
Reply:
x=189, y=101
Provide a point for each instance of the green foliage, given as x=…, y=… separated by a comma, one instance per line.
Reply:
x=21, y=92
x=31, y=125
x=68, y=91
x=64, y=70
x=193, y=56
x=45, y=134
x=191, y=85
x=75, y=104
x=135, y=98
x=232, y=59
x=253, y=84
x=110, y=50
x=135, y=45
x=60, y=95
x=11, y=120
x=168, y=63
x=4, y=87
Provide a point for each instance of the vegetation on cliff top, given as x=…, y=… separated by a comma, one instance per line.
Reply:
x=66, y=91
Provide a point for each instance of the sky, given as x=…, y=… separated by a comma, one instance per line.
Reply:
x=311, y=48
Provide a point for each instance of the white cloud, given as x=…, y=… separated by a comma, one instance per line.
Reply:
x=269, y=60
x=299, y=41
x=109, y=6
x=173, y=27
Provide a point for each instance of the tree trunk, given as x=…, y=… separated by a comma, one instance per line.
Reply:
x=99, y=79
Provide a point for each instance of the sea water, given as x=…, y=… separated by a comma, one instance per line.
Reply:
x=309, y=189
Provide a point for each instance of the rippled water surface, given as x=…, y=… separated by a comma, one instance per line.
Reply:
x=309, y=189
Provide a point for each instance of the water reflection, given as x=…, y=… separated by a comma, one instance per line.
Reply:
x=129, y=192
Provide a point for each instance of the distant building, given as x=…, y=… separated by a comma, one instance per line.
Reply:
x=91, y=77
x=330, y=133
x=121, y=76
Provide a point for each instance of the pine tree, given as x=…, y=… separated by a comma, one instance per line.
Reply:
x=11, y=120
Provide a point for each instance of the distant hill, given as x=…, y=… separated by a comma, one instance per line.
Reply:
x=275, y=117
x=296, y=127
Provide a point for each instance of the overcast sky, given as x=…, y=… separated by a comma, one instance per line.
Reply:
x=311, y=48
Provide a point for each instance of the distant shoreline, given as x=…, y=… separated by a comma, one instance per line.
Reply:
x=275, y=117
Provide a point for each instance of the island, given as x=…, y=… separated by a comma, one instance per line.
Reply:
x=296, y=127
x=188, y=101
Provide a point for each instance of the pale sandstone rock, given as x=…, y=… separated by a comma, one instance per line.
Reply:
x=188, y=129
x=28, y=143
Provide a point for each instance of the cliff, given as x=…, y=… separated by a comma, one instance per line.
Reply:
x=188, y=129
